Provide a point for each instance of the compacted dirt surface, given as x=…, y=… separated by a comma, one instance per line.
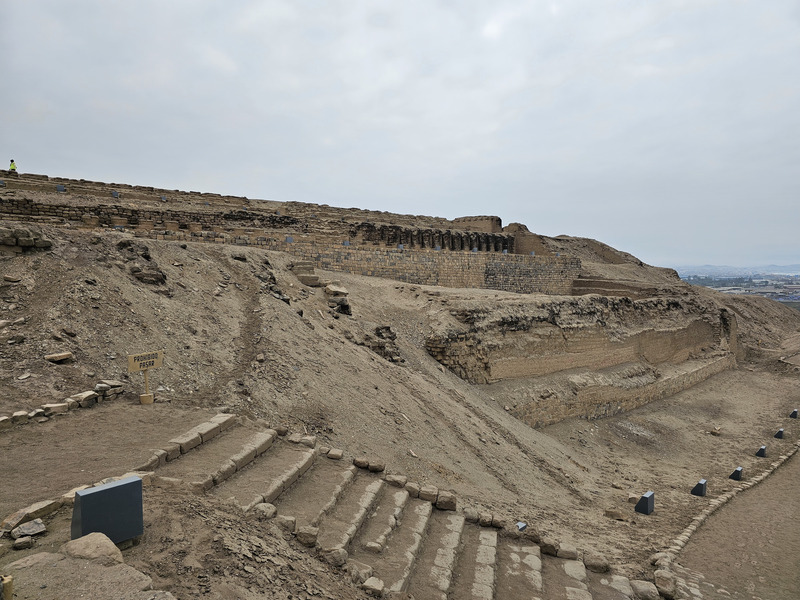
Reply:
x=242, y=335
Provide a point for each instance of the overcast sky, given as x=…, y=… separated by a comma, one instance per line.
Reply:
x=669, y=129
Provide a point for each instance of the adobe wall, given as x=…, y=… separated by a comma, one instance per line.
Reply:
x=533, y=338
x=427, y=256
x=602, y=401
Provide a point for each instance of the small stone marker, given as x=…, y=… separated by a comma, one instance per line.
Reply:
x=762, y=452
x=737, y=474
x=61, y=188
x=794, y=414
x=700, y=488
x=289, y=239
x=115, y=194
x=646, y=503
x=114, y=509
x=779, y=434
x=521, y=526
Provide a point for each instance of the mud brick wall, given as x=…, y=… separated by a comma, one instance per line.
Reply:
x=601, y=401
x=506, y=272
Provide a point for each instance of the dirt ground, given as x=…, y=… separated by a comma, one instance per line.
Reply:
x=230, y=341
x=761, y=536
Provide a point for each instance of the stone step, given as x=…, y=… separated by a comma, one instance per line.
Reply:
x=433, y=574
x=564, y=579
x=383, y=520
x=474, y=577
x=227, y=452
x=266, y=478
x=609, y=587
x=316, y=492
x=394, y=565
x=519, y=570
x=341, y=525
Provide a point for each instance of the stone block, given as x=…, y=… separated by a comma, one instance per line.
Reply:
x=396, y=480
x=471, y=515
x=429, y=493
x=224, y=420
x=485, y=519
x=265, y=510
x=644, y=590
x=85, y=397
x=567, y=551
x=187, y=441
x=646, y=503
x=286, y=522
x=262, y=441
x=202, y=485
x=361, y=462
x=308, y=440
x=762, y=452
x=114, y=509
x=794, y=414
x=207, y=430
x=58, y=408
x=19, y=417
x=244, y=457
x=700, y=489
x=373, y=586
x=446, y=501
x=5, y=423
x=23, y=543
x=596, y=563
x=549, y=546
x=377, y=466
x=779, y=434
x=335, y=454
x=413, y=489
x=171, y=451
x=30, y=528
x=665, y=583
x=294, y=438
x=59, y=357
x=736, y=475
x=307, y=535
x=227, y=469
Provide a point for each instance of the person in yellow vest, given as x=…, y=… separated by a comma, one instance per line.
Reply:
x=13, y=166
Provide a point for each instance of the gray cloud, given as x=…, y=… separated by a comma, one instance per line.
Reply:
x=669, y=129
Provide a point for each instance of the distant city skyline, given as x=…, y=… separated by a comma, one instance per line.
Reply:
x=668, y=130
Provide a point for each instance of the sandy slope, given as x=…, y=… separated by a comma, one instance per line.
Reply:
x=230, y=342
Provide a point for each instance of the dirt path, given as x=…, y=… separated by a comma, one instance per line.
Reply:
x=43, y=461
x=760, y=530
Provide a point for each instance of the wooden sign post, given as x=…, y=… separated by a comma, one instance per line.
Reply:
x=145, y=362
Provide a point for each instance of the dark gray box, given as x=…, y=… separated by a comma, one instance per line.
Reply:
x=779, y=434
x=114, y=509
x=646, y=503
x=736, y=475
x=794, y=414
x=700, y=489
x=762, y=452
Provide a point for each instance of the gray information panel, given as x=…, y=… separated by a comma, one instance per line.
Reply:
x=114, y=509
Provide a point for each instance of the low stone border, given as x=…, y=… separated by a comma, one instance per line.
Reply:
x=106, y=389
x=664, y=578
